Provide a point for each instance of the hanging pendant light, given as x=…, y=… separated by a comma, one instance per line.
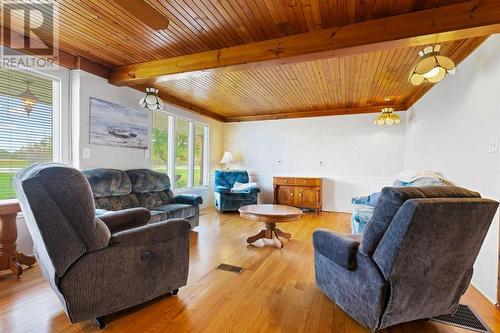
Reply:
x=432, y=67
x=151, y=101
x=28, y=98
x=387, y=117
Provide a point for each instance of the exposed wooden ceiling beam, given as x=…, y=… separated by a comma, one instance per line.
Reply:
x=65, y=59
x=464, y=20
x=315, y=113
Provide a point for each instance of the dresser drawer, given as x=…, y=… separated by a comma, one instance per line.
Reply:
x=307, y=181
x=283, y=181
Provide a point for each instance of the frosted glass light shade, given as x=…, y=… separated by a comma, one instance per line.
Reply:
x=387, y=117
x=151, y=101
x=432, y=67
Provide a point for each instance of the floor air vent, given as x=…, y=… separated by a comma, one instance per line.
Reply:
x=464, y=318
x=230, y=268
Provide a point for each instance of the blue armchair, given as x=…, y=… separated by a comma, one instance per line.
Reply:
x=227, y=201
x=414, y=260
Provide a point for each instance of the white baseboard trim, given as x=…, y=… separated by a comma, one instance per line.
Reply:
x=492, y=301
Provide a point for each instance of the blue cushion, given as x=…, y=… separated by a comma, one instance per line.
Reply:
x=227, y=178
x=189, y=199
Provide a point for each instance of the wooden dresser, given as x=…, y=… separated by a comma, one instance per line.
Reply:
x=298, y=192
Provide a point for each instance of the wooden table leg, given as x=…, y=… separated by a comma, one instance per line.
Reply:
x=10, y=258
x=260, y=235
x=283, y=234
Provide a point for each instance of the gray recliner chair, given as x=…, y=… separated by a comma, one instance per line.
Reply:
x=415, y=259
x=93, y=271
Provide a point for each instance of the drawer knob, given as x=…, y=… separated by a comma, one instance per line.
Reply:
x=285, y=180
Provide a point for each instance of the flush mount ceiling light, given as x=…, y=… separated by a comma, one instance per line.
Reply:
x=29, y=99
x=151, y=100
x=387, y=117
x=432, y=67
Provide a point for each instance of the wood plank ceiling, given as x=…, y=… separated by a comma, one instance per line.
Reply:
x=104, y=32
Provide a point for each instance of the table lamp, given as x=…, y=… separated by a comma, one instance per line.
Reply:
x=227, y=159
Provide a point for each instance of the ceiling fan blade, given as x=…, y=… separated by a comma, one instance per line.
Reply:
x=145, y=12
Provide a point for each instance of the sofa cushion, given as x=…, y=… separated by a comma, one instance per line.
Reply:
x=108, y=182
x=155, y=199
x=389, y=202
x=227, y=178
x=117, y=202
x=177, y=210
x=145, y=180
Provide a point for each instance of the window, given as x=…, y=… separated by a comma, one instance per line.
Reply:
x=27, y=128
x=160, y=142
x=181, y=153
x=180, y=148
x=199, y=155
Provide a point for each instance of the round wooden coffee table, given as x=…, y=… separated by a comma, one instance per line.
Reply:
x=270, y=215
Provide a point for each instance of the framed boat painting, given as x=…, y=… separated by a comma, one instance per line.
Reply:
x=115, y=125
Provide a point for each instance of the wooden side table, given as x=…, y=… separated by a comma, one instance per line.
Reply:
x=10, y=258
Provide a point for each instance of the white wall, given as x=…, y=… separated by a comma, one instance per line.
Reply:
x=449, y=130
x=357, y=157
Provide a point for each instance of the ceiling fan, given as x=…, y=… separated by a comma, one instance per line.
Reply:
x=145, y=12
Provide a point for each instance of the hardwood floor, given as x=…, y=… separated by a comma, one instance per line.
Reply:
x=275, y=293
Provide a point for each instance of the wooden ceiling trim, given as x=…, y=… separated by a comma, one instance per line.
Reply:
x=314, y=113
x=464, y=20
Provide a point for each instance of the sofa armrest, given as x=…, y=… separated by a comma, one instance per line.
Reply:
x=152, y=233
x=125, y=219
x=189, y=199
x=221, y=189
x=340, y=249
x=254, y=190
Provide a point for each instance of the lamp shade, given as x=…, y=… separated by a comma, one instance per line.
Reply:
x=151, y=100
x=227, y=158
x=432, y=67
x=387, y=117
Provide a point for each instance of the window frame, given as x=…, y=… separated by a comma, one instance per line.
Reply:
x=57, y=117
x=172, y=121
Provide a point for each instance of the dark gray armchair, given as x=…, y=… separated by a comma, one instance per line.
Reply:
x=414, y=260
x=95, y=272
